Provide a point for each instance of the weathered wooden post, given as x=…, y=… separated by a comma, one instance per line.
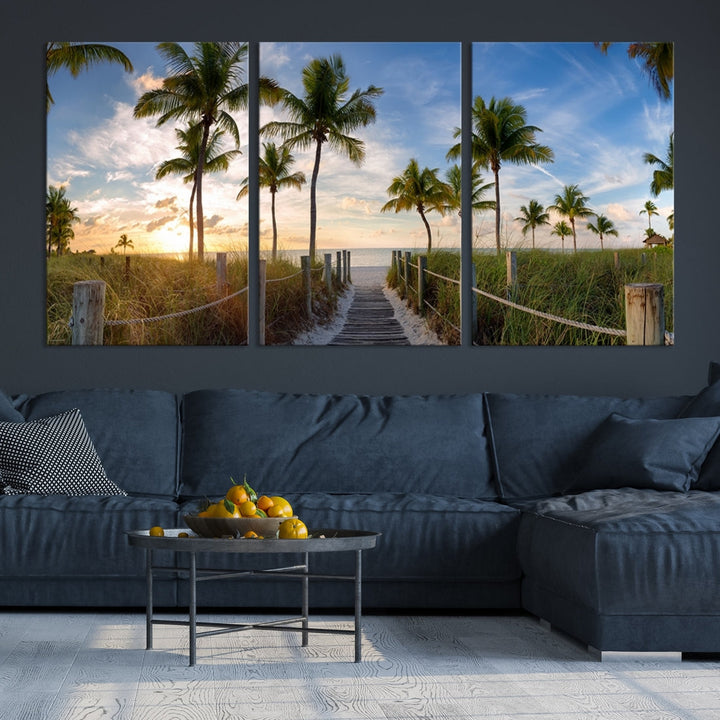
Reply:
x=221, y=273
x=616, y=259
x=511, y=262
x=393, y=261
x=307, y=283
x=349, y=266
x=643, y=258
x=127, y=267
x=408, y=277
x=339, y=267
x=645, y=313
x=422, y=267
x=328, y=272
x=344, y=272
x=88, y=312
x=262, y=294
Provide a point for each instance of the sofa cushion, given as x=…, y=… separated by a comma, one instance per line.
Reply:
x=626, y=551
x=536, y=437
x=135, y=433
x=707, y=404
x=52, y=456
x=646, y=453
x=8, y=413
x=334, y=443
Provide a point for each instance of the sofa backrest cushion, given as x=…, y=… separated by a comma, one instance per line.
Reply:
x=334, y=443
x=8, y=413
x=536, y=438
x=135, y=433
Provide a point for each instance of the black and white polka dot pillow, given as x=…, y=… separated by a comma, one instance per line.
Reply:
x=52, y=456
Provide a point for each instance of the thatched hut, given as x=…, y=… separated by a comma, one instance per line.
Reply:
x=656, y=240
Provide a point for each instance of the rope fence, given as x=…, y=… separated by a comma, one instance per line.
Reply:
x=643, y=303
x=88, y=307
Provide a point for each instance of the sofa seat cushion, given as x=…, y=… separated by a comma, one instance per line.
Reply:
x=334, y=443
x=626, y=551
x=536, y=438
x=59, y=536
x=135, y=433
x=424, y=537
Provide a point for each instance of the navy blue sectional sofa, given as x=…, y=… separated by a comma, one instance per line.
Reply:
x=599, y=515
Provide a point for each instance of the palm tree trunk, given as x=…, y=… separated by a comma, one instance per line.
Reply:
x=313, y=199
x=497, y=210
x=192, y=221
x=601, y=242
x=533, y=237
x=198, y=180
x=427, y=228
x=274, y=225
x=572, y=222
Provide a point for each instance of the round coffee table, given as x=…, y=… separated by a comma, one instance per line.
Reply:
x=333, y=541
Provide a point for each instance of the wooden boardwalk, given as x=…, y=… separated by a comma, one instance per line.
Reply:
x=370, y=321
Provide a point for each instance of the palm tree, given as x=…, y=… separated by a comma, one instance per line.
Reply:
x=532, y=215
x=651, y=209
x=186, y=165
x=603, y=226
x=59, y=219
x=325, y=114
x=202, y=89
x=561, y=229
x=77, y=57
x=124, y=242
x=479, y=188
x=419, y=190
x=274, y=171
x=663, y=178
x=500, y=134
x=571, y=203
x=658, y=59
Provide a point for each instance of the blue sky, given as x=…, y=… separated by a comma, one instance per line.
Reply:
x=598, y=113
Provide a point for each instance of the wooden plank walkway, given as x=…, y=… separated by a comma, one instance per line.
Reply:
x=370, y=321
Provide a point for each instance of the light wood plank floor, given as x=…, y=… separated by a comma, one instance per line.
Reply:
x=87, y=666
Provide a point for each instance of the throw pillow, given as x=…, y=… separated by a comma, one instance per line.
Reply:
x=645, y=453
x=7, y=410
x=52, y=456
x=706, y=404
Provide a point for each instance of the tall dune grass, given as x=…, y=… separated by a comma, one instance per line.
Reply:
x=156, y=287
x=584, y=286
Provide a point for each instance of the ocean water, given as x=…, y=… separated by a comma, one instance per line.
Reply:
x=359, y=257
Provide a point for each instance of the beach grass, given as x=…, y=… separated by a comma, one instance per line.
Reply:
x=586, y=286
x=155, y=287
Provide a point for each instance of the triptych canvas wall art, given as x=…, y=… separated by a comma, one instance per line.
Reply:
x=363, y=202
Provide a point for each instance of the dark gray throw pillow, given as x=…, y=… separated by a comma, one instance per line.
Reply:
x=52, y=456
x=706, y=404
x=645, y=453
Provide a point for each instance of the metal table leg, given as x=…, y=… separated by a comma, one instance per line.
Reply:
x=148, y=599
x=192, y=610
x=358, y=605
x=305, y=600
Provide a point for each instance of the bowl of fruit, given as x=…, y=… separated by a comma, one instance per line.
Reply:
x=241, y=513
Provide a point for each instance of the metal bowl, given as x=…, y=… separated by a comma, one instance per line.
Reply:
x=235, y=527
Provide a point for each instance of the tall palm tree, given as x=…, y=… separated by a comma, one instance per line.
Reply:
x=658, y=63
x=124, y=242
x=77, y=57
x=59, y=219
x=274, y=171
x=419, y=190
x=501, y=135
x=562, y=230
x=603, y=226
x=663, y=178
x=186, y=165
x=571, y=203
x=479, y=188
x=651, y=209
x=202, y=89
x=325, y=114
x=533, y=215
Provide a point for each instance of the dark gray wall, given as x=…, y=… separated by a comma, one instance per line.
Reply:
x=26, y=365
